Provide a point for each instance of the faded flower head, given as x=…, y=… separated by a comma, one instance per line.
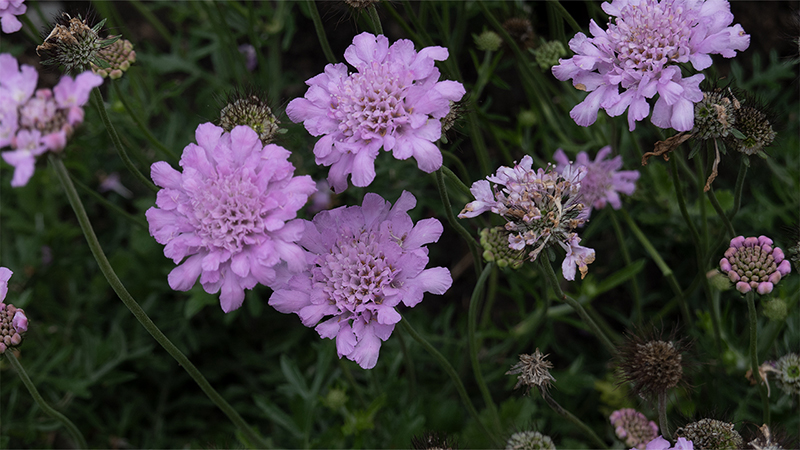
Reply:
x=118, y=57
x=395, y=101
x=13, y=322
x=640, y=52
x=767, y=441
x=715, y=114
x=660, y=443
x=651, y=364
x=521, y=30
x=754, y=127
x=249, y=109
x=542, y=207
x=229, y=214
x=362, y=262
x=9, y=9
x=75, y=45
x=35, y=121
x=495, y=248
x=752, y=263
x=711, y=434
x=432, y=441
x=603, y=181
x=632, y=427
x=787, y=370
x=533, y=371
x=529, y=440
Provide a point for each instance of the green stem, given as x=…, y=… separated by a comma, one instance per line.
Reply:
x=97, y=99
x=637, y=295
x=30, y=29
x=412, y=372
x=569, y=416
x=133, y=219
x=376, y=21
x=472, y=320
x=455, y=180
x=721, y=213
x=448, y=209
x=139, y=313
x=448, y=368
x=153, y=19
x=71, y=428
x=144, y=129
x=587, y=319
x=323, y=38
x=751, y=309
x=737, y=196
x=692, y=229
x=565, y=14
x=662, y=415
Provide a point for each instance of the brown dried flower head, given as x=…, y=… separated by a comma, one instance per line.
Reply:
x=711, y=434
x=74, y=44
x=652, y=364
x=432, y=441
x=533, y=371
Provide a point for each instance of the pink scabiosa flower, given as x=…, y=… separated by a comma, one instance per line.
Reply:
x=660, y=443
x=603, y=181
x=640, y=53
x=32, y=123
x=363, y=261
x=633, y=427
x=13, y=321
x=542, y=208
x=229, y=213
x=9, y=10
x=394, y=101
x=753, y=263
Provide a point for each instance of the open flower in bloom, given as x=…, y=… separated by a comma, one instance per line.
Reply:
x=229, y=214
x=603, y=181
x=542, y=208
x=394, y=101
x=633, y=427
x=363, y=261
x=13, y=322
x=9, y=10
x=640, y=52
x=35, y=121
x=660, y=443
x=752, y=263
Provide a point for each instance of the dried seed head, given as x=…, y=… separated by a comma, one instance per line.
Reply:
x=533, y=370
x=753, y=130
x=768, y=440
x=548, y=54
x=360, y=4
x=521, y=31
x=118, y=57
x=249, y=109
x=715, y=115
x=711, y=434
x=495, y=248
x=432, y=441
x=74, y=44
x=651, y=364
x=529, y=440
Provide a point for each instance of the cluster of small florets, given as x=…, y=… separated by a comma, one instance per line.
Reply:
x=529, y=440
x=118, y=58
x=32, y=121
x=13, y=322
x=753, y=263
x=632, y=427
x=488, y=41
x=548, y=54
x=754, y=129
x=533, y=371
x=787, y=370
x=495, y=248
x=251, y=111
x=711, y=434
x=715, y=114
x=75, y=45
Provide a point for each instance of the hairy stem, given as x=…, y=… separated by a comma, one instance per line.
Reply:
x=323, y=39
x=637, y=295
x=376, y=21
x=662, y=415
x=751, y=310
x=472, y=320
x=448, y=210
x=139, y=123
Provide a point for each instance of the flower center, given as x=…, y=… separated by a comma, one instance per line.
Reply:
x=229, y=212
x=370, y=103
x=650, y=35
x=752, y=264
x=355, y=272
x=43, y=114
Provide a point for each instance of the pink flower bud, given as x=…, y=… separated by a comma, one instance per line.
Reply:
x=743, y=287
x=764, y=288
x=20, y=321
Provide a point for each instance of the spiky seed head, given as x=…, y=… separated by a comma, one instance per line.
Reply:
x=753, y=126
x=653, y=365
x=495, y=248
x=533, y=371
x=432, y=441
x=249, y=109
x=715, y=114
x=521, y=30
x=360, y=4
x=118, y=57
x=788, y=373
x=74, y=44
x=529, y=440
x=711, y=434
x=770, y=440
x=488, y=41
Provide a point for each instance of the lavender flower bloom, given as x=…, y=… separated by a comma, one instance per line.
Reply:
x=33, y=124
x=13, y=322
x=640, y=53
x=363, y=261
x=229, y=213
x=660, y=443
x=9, y=9
x=394, y=101
x=542, y=208
x=603, y=180
x=633, y=427
x=752, y=263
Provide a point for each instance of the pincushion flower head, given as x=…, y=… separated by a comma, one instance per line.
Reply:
x=638, y=56
x=395, y=100
x=541, y=207
x=633, y=427
x=603, y=181
x=13, y=322
x=362, y=262
x=35, y=121
x=228, y=215
x=753, y=263
x=9, y=10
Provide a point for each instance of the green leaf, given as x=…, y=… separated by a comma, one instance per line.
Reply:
x=277, y=416
x=294, y=377
x=737, y=134
x=620, y=276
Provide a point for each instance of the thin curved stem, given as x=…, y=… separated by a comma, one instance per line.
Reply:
x=142, y=127
x=472, y=320
x=448, y=368
x=133, y=219
x=751, y=310
x=97, y=99
x=687, y=317
x=721, y=213
x=71, y=428
x=376, y=20
x=637, y=296
x=323, y=38
x=139, y=313
x=572, y=418
x=587, y=319
x=448, y=210
x=662, y=415
x=737, y=196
